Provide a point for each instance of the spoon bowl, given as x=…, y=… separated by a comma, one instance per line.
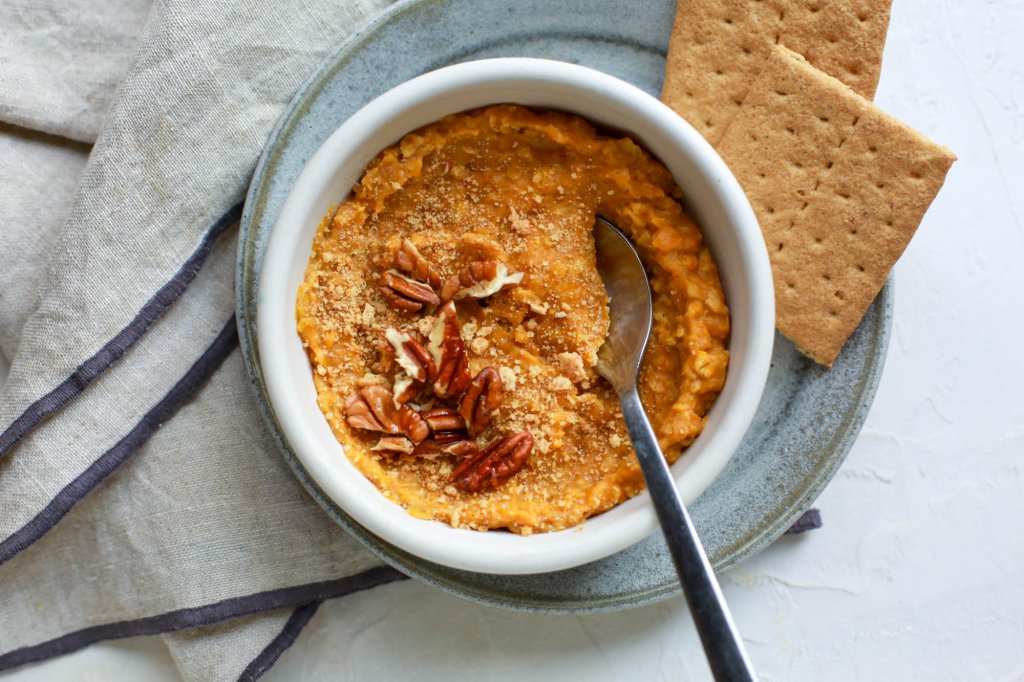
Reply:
x=629, y=303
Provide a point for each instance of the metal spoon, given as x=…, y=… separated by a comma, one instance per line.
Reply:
x=619, y=362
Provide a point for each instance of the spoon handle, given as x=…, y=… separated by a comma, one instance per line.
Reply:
x=722, y=644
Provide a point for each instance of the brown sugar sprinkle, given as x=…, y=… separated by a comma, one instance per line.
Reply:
x=521, y=188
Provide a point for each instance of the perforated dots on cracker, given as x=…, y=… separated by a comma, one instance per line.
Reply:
x=839, y=188
x=719, y=46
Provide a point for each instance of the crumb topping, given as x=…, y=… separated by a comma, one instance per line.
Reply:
x=523, y=188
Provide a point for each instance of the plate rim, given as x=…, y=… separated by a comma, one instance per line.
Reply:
x=245, y=273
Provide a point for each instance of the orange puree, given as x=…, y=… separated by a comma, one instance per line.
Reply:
x=522, y=187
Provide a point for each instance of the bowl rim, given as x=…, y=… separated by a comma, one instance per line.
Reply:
x=465, y=549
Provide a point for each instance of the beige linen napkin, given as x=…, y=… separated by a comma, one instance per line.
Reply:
x=139, y=491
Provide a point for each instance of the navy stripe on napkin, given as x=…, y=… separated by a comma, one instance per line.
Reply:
x=74, y=491
x=292, y=629
x=210, y=614
x=87, y=372
x=809, y=520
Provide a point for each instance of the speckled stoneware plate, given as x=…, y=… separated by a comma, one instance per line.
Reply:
x=808, y=417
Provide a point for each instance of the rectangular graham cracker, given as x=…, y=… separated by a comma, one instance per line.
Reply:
x=719, y=46
x=839, y=188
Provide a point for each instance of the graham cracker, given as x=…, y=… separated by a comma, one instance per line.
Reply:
x=839, y=188
x=719, y=46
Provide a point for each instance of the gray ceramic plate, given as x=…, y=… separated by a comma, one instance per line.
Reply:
x=808, y=418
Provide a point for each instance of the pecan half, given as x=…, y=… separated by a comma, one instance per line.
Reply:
x=495, y=464
x=479, y=279
x=409, y=260
x=404, y=293
x=449, y=354
x=394, y=444
x=372, y=408
x=481, y=400
x=411, y=355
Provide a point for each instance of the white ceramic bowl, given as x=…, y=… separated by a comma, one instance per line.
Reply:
x=713, y=197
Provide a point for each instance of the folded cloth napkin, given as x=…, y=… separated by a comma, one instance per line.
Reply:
x=139, y=491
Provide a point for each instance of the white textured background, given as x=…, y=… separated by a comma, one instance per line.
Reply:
x=917, y=573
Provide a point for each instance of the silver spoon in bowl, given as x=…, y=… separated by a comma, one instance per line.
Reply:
x=618, y=361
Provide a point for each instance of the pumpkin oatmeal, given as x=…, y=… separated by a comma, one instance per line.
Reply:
x=452, y=312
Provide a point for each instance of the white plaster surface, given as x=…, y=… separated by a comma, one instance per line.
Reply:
x=917, y=573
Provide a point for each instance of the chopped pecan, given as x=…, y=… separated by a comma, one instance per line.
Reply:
x=405, y=389
x=449, y=354
x=447, y=438
x=427, y=448
x=373, y=408
x=479, y=279
x=411, y=356
x=412, y=424
x=461, y=448
x=395, y=444
x=481, y=400
x=454, y=375
x=493, y=465
x=409, y=260
x=404, y=293
x=447, y=425
x=444, y=419
x=385, y=357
